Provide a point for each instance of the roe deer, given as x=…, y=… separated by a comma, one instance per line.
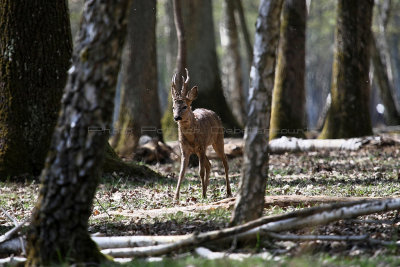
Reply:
x=197, y=130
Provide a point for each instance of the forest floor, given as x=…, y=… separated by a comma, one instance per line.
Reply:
x=130, y=206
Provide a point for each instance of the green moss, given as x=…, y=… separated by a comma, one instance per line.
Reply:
x=169, y=127
x=112, y=163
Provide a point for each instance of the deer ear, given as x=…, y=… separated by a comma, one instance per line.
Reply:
x=192, y=95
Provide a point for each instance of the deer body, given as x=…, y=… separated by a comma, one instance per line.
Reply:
x=197, y=130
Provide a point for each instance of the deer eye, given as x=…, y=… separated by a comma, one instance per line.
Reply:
x=185, y=107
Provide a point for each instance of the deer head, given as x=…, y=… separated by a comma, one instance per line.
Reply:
x=182, y=99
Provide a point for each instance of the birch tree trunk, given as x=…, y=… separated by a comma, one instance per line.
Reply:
x=250, y=202
x=35, y=48
x=140, y=107
x=289, y=96
x=349, y=112
x=231, y=62
x=58, y=231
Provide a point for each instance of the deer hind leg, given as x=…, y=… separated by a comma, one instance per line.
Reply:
x=202, y=171
x=219, y=149
x=184, y=164
x=208, y=167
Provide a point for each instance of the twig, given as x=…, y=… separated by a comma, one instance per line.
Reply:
x=98, y=201
x=12, y=218
x=10, y=233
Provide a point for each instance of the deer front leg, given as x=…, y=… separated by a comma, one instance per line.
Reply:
x=184, y=164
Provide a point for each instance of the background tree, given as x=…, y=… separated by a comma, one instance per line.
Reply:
x=231, y=62
x=139, y=112
x=288, y=100
x=250, y=202
x=59, y=224
x=349, y=115
x=36, y=48
x=202, y=63
x=382, y=81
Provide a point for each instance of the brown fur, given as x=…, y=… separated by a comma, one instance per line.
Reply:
x=197, y=130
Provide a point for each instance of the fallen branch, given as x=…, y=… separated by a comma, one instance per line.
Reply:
x=12, y=261
x=356, y=238
x=304, y=218
x=105, y=242
x=292, y=144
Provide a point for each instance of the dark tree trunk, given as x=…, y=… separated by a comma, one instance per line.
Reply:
x=391, y=114
x=58, y=230
x=202, y=63
x=349, y=113
x=140, y=107
x=231, y=62
x=250, y=202
x=289, y=98
x=35, y=48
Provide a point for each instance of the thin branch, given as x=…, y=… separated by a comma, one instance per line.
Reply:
x=356, y=238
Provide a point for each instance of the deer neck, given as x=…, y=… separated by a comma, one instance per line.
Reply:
x=188, y=127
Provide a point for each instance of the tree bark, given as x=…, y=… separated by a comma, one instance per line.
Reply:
x=349, y=113
x=250, y=202
x=289, y=96
x=391, y=114
x=231, y=62
x=202, y=64
x=58, y=231
x=36, y=47
x=140, y=107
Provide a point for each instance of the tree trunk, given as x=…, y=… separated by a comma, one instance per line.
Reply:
x=140, y=107
x=245, y=30
x=170, y=128
x=202, y=63
x=382, y=80
x=250, y=202
x=231, y=62
x=289, y=98
x=36, y=47
x=58, y=232
x=349, y=113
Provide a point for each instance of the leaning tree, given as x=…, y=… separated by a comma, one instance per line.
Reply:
x=58, y=231
x=35, y=48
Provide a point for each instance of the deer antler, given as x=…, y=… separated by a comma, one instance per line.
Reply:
x=185, y=84
x=173, y=87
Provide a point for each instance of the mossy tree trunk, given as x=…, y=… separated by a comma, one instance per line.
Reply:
x=349, y=115
x=289, y=98
x=35, y=48
x=250, y=202
x=140, y=107
x=202, y=63
x=58, y=231
x=231, y=62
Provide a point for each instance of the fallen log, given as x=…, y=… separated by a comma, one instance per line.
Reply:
x=246, y=231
